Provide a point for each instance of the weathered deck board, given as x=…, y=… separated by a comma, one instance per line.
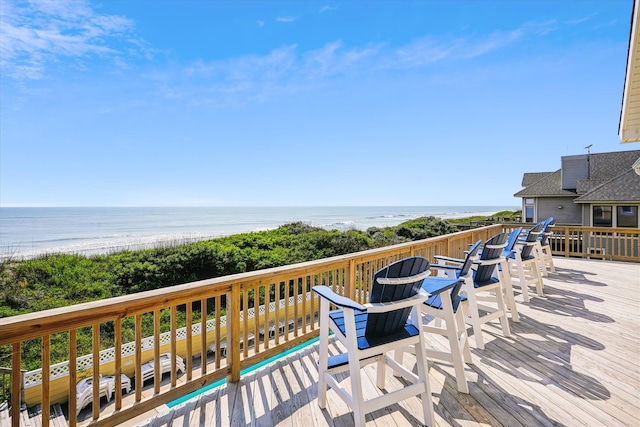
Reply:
x=572, y=360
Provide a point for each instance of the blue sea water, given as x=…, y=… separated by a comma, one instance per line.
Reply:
x=28, y=232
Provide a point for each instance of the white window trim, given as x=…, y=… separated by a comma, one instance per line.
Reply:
x=535, y=209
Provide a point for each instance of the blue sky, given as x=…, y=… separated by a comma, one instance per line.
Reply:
x=265, y=103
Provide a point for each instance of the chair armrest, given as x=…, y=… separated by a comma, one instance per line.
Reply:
x=437, y=285
x=448, y=259
x=445, y=267
x=383, y=307
x=338, y=300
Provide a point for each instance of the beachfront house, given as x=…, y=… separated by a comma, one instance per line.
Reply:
x=594, y=189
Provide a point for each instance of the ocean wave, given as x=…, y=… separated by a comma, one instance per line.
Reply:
x=100, y=246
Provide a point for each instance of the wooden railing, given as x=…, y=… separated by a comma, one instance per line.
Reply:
x=238, y=313
x=618, y=244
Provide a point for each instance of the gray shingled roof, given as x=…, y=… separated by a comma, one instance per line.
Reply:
x=549, y=185
x=623, y=188
x=603, y=169
x=606, y=166
x=532, y=177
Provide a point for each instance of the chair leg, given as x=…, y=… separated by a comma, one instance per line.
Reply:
x=542, y=268
x=547, y=259
x=423, y=375
x=507, y=288
x=523, y=281
x=464, y=339
x=474, y=319
x=506, y=331
x=323, y=355
x=356, y=393
x=539, y=284
x=453, y=334
x=381, y=371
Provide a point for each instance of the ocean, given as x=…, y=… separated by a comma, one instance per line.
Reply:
x=29, y=232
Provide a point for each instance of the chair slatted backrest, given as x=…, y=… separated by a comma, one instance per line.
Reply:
x=549, y=223
x=464, y=270
x=513, y=238
x=413, y=268
x=492, y=251
x=468, y=261
x=532, y=236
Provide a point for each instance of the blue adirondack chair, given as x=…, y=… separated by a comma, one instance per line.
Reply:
x=523, y=262
x=544, y=247
x=447, y=307
x=484, y=284
x=390, y=321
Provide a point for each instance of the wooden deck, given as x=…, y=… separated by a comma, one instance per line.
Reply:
x=572, y=360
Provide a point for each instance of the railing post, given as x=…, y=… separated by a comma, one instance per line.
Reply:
x=350, y=288
x=567, y=242
x=233, y=332
x=16, y=386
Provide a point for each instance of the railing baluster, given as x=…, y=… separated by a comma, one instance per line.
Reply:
x=46, y=379
x=174, y=348
x=267, y=309
x=303, y=315
x=118, y=362
x=245, y=322
x=95, y=366
x=189, y=339
x=216, y=302
x=276, y=324
x=256, y=319
x=295, y=289
x=73, y=355
x=138, y=357
x=157, y=364
x=203, y=339
x=287, y=304
x=233, y=340
x=16, y=385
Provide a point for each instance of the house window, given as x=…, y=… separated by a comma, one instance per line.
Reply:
x=602, y=216
x=627, y=216
x=529, y=210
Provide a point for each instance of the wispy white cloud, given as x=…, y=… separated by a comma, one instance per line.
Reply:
x=38, y=34
x=289, y=69
x=285, y=19
x=260, y=23
x=429, y=49
x=328, y=8
x=254, y=78
x=579, y=20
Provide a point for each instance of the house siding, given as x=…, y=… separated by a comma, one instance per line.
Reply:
x=570, y=214
x=586, y=214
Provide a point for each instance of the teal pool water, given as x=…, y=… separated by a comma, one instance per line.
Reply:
x=243, y=372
